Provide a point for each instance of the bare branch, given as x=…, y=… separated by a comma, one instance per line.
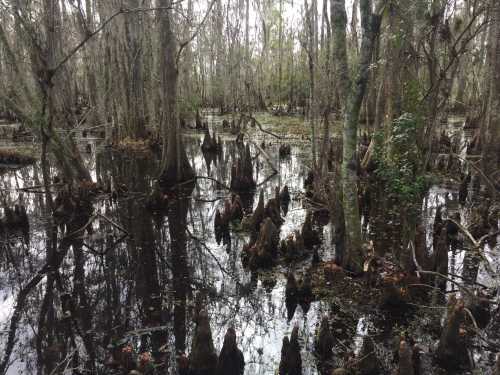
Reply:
x=195, y=34
x=100, y=28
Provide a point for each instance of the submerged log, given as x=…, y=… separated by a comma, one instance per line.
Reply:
x=231, y=360
x=203, y=359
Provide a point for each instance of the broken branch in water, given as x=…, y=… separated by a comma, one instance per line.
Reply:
x=479, y=170
x=477, y=244
x=267, y=179
x=263, y=152
x=256, y=122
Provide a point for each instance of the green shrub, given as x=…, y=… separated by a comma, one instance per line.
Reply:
x=398, y=160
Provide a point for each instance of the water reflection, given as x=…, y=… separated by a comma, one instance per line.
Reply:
x=137, y=280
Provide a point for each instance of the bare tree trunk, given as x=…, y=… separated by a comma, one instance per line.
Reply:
x=491, y=155
x=354, y=26
x=175, y=165
x=312, y=52
x=370, y=24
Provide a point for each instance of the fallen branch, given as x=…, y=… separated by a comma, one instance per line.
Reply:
x=256, y=122
x=113, y=224
x=267, y=179
x=479, y=170
x=477, y=243
x=447, y=279
x=208, y=200
x=263, y=152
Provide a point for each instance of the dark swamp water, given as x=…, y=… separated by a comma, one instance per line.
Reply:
x=139, y=277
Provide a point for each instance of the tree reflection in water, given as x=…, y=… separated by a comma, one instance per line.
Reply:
x=134, y=283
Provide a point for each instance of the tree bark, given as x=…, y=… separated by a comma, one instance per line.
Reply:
x=175, y=165
x=491, y=155
x=354, y=94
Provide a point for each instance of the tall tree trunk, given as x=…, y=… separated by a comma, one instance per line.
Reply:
x=175, y=164
x=354, y=257
x=491, y=154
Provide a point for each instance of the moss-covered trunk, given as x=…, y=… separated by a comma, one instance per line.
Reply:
x=354, y=94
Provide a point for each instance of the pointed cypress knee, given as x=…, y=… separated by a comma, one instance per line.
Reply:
x=368, y=363
x=284, y=199
x=291, y=295
x=406, y=366
x=203, y=359
x=231, y=360
x=323, y=346
x=452, y=352
x=285, y=347
x=291, y=361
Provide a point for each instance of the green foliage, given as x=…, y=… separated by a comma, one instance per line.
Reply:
x=412, y=96
x=399, y=162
